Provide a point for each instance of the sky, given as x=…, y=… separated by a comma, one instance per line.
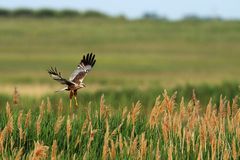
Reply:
x=172, y=9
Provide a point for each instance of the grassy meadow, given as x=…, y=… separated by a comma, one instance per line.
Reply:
x=136, y=61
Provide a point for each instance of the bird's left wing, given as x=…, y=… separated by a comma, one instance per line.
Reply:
x=58, y=77
x=83, y=68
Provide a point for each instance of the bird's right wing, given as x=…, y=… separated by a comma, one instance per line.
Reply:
x=58, y=77
x=83, y=68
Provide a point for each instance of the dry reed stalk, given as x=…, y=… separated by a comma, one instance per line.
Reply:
x=143, y=146
x=213, y=145
x=58, y=124
x=170, y=151
x=124, y=113
x=135, y=112
x=165, y=128
x=8, y=111
x=195, y=101
x=77, y=141
x=114, y=132
x=176, y=124
x=2, y=139
x=74, y=156
x=237, y=130
x=19, y=154
x=132, y=133
x=182, y=109
x=112, y=150
x=89, y=126
x=200, y=154
x=221, y=126
x=225, y=154
x=229, y=113
x=60, y=155
x=85, y=155
x=188, y=134
x=41, y=108
x=48, y=105
x=104, y=111
x=91, y=138
x=54, y=150
x=150, y=149
x=133, y=147
x=105, y=145
x=169, y=102
x=208, y=110
x=119, y=127
x=195, y=147
x=155, y=113
x=157, y=156
x=28, y=119
x=128, y=118
x=221, y=112
x=38, y=125
x=189, y=109
x=234, y=150
x=68, y=129
x=230, y=125
x=235, y=104
x=21, y=134
x=40, y=151
x=192, y=121
x=120, y=145
x=9, y=126
x=60, y=107
x=12, y=142
x=236, y=118
x=19, y=121
x=203, y=134
x=127, y=146
x=102, y=107
x=85, y=124
x=15, y=96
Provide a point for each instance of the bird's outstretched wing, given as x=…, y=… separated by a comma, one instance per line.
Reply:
x=58, y=77
x=83, y=68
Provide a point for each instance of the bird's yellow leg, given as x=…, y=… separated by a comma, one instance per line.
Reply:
x=76, y=102
x=70, y=104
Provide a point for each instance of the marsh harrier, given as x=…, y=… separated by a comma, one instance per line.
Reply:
x=75, y=81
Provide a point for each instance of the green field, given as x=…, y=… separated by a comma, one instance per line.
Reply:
x=129, y=53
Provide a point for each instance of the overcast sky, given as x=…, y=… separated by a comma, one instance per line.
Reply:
x=173, y=9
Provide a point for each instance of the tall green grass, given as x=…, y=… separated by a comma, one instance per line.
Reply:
x=169, y=130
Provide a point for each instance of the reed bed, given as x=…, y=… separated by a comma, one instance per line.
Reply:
x=170, y=131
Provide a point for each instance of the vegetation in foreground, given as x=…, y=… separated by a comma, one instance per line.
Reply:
x=169, y=131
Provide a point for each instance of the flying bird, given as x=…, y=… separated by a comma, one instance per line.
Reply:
x=75, y=81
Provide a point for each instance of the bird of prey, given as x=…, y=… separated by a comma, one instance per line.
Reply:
x=75, y=81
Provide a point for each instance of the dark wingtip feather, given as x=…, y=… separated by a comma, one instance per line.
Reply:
x=88, y=59
x=93, y=63
x=92, y=59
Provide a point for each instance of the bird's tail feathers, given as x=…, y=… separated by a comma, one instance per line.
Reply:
x=63, y=89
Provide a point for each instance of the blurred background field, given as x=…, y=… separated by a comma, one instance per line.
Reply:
x=136, y=59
